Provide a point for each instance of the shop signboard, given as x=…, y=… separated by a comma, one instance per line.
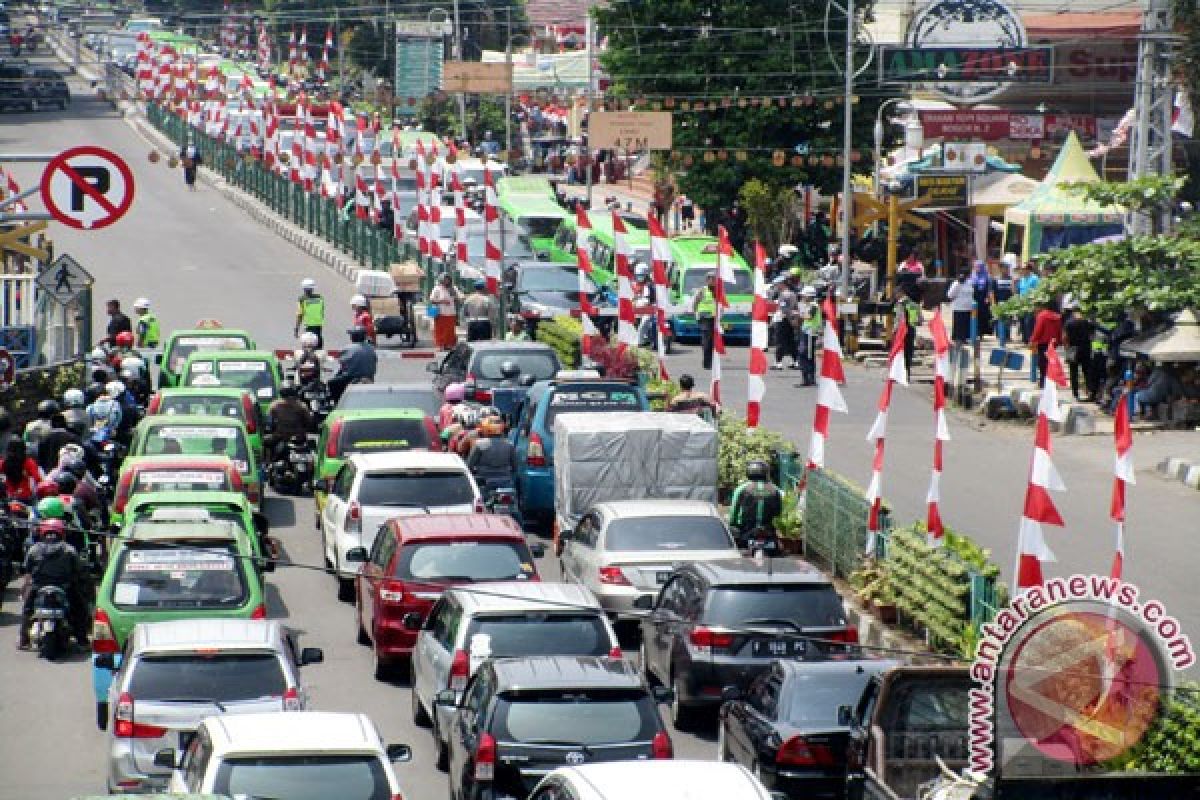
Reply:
x=943, y=191
x=994, y=125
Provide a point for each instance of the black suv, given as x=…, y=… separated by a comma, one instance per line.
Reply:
x=50, y=88
x=17, y=88
x=523, y=717
x=720, y=623
x=478, y=365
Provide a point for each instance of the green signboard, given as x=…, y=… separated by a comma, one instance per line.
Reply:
x=419, y=53
x=958, y=64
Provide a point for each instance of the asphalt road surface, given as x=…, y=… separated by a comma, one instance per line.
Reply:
x=197, y=256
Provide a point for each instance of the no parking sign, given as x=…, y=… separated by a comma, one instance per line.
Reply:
x=87, y=187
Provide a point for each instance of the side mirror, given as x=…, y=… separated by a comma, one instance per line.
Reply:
x=105, y=661
x=446, y=698
x=538, y=549
x=730, y=694
x=166, y=759
x=356, y=555
x=311, y=655
x=413, y=621
x=845, y=716
x=663, y=694
x=261, y=523
x=399, y=752
x=644, y=603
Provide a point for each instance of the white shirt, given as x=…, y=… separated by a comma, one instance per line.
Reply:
x=962, y=297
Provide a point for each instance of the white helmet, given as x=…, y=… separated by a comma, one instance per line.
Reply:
x=308, y=339
x=98, y=354
x=358, y=301
x=141, y=303
x=808, y=291
x=114, y=389
x=308, y=283
x=73, y=398
x=133, y=363
x=786, y=250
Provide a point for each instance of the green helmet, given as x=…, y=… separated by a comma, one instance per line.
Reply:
x=796, y=272
x=51, y=508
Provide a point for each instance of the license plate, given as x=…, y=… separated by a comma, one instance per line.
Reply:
x=661, y=577
x=778, y=648
x=302, y=458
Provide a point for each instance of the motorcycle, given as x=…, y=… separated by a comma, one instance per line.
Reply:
x=109, y=453
x=292, y=471
x=315, y=395
x=49, y=631
x=762, y=540
x=500, y=498
x=14, y=530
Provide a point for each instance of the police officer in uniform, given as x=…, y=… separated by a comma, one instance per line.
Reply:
x=704, y=306
x=147, y=324
x=310, y=311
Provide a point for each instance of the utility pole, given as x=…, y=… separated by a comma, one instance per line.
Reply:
x=847, y=134
x=587, y=149
x=1150, y=144
x=462, y=98
x=508, y=95
x=337, y=40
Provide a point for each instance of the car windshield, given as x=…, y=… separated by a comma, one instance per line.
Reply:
x=177, y=480
x=253, y=375
x=194, y=440
x=184, y=346
x=540, y=227
x=224, y=677
x=431, y=488
x=693, y=279
x=471, y=560
x=585, y=717
x=632, y=534
x=304, y=777
x=179, y=578
x=534, y=633
x=370, y=398
x=542, y=365
x=208, y=405
x=600, y=398
x=552, y=279
x=806, y=605
x=375, y=435
x=814, y=699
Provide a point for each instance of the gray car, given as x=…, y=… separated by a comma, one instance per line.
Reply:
x=174, y=674
x=627, y=550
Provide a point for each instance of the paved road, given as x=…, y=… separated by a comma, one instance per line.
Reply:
x=197, y=256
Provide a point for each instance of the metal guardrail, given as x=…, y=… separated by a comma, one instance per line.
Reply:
x=835, y=521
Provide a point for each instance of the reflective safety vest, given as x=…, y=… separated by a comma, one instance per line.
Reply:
x=707, y=305
x=312, y=311
x=912, y=314
x=148, y=333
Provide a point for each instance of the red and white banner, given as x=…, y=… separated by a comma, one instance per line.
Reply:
x=660, y=257
x=1039, y=510
x=935, y=531
x=626, y=324
x=323, y=65
x=829, y=393
x=422, y=201
x=878, y=433
x=493, y=255
x=760, y=314
x=583, y=237
x=1122, y=477
x=460, y=207
x=724, y=275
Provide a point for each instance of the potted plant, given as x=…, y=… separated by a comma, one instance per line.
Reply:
x=873, y=583
x=790, y=525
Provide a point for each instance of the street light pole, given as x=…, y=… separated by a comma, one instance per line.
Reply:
x=879, y=137
x=847, y=133
x=462, y=98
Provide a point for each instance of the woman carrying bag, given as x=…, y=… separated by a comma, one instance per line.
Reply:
x=443, y=309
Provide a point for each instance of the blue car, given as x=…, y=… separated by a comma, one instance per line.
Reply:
x=533, y=432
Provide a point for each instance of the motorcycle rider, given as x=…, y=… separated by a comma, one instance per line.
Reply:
x=510, y=371
x=287, y=417
x=75, y=411
x=493, y=459
x=310, y=310
x=308, y=351
x=40, y=425
x=362, y=316
x=356, y=364
x=53, y=562
x=756, y=503
x=125, y=400
x=689, y=399
x=21, y=473
x=54, y=440
x=454, y=395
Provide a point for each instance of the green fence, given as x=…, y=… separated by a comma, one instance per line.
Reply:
x=365, y=243
x=835, y=521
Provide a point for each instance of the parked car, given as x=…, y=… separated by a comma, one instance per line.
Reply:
x=522, y=717
x=721, y=623
x=309, y=755
x=662, y=780
x=364, y=396
x=176, y=673
x=414, y=559
x=51, y=88
x=17, y=93
x=627, y=550
x=792, y=725
x=478, y=365
x=499, y=620
x=533, y=432
x=141, y=474
x=371, y=489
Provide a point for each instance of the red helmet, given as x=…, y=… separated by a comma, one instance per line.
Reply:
x=52, y=527
x=47, y=488
x=123, y=339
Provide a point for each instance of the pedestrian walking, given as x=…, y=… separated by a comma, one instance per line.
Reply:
x=704, y=306
x=1047, y=331
x=962, y=302
x=189, y=157
x=443, y=303
x=479, y=310
x=983, y=292
x=1005, y=286
x=310, y=311
x=1078, y=332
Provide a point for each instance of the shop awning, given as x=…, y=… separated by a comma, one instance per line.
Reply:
x=1053, y=203
x=1180, y=342
x=994, y=192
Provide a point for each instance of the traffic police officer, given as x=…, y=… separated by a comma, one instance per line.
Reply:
x=147, y=324
x=310, y=311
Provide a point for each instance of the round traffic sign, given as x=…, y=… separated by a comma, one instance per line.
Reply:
x=87, y=187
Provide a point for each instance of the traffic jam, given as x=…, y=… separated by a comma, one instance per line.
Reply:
x=538, y=565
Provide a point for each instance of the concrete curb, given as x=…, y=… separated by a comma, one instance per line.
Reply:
x=1186, y=471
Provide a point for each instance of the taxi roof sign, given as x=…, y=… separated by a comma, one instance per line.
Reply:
x=209, y=325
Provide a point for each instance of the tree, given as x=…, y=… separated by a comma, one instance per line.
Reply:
x=770, y=212
x=709, y=49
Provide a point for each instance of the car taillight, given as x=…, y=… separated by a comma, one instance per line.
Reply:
x=483, y=395
x=535, y=454
x=392, y=592
x=615, y=653
x=661, y=747
x=154, y=404
x=504, y=498
x=354, y=518
x=103, y=640
x=708, y=639
x=124, y=486
x=485, y=758
x=335, y=433
x=235, y=480
x=251, y=413
x=848, y=635
x=613, y=576
x=435, y=439
x=259, y=612
x=291, y=699
x=252, y=492
x=460, y=670
x=125, y=727
x=799, y=752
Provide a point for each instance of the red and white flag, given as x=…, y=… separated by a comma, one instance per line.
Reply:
x=270, y=136
x=1039, y=510
x=760, y=314
x=460, y=207
x=583, y=236
x=323, y=64
x=303, y=47
x=829, y=380
x=493, y=255
x=293, y=59
x=878, y=433
x=422, y=202
x=362, y=197
x=398, y=223
x=1122, y=477
x=935, y=531
x=724, y=275
x=11, y=189
x=264, y=47
x=660, y=257
x=626, y=321
x=435, y=206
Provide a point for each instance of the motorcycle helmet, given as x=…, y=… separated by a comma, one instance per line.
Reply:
x=98, y=354
x=358, y=301
x=128, y=376
x=510, y=370
x=141, y=304
x=488, y=411
x=309, y=340
x=95, y=391
x=123, y=339
x=786, y=250
x=287, y=389
x=70, y=454
x=73, y=398
x=641, y=270
x=47, y=409
x=114, y=389
x=51, y=529
x=358, y=334
x=308, y=284
x=757, y=470
x=133, y=363
x=51, y=506
x=66, y=484
x=455, y=392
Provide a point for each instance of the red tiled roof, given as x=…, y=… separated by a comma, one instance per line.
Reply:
x=1111, y=23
